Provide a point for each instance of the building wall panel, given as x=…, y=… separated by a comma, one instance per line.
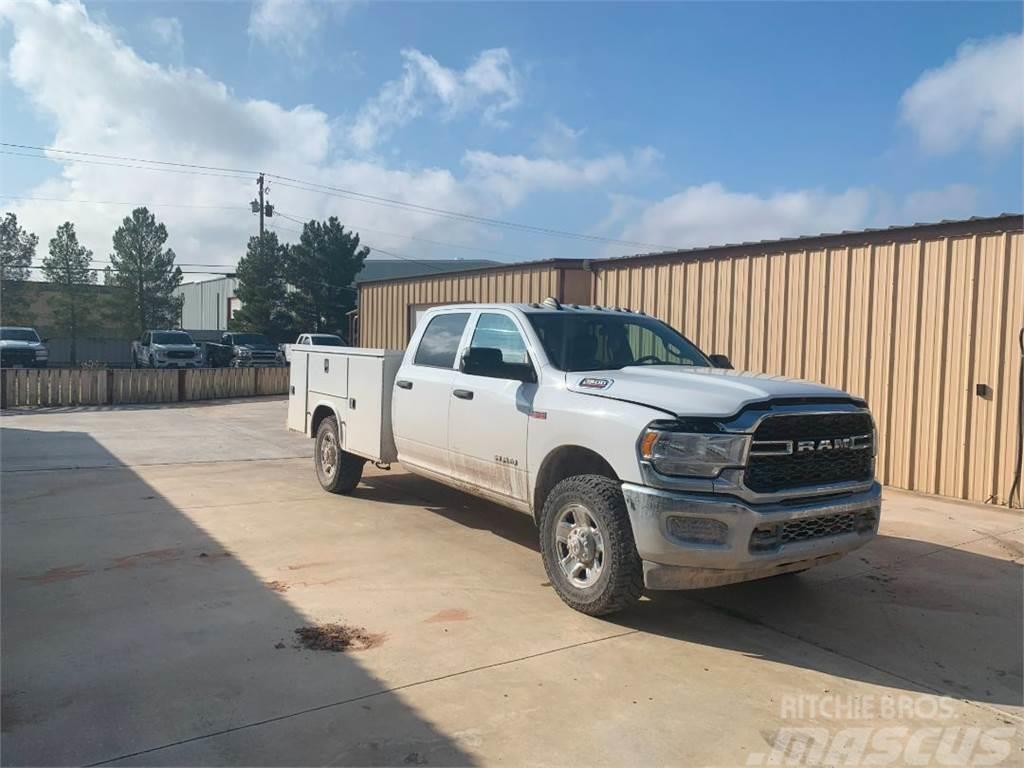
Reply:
x=913, y=324
x=385, y=306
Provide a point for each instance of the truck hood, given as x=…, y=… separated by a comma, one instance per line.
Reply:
x=689, y=391
x=13, y=344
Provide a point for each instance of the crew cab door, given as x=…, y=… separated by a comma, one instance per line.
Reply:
x=423, y=390
x=491, y=406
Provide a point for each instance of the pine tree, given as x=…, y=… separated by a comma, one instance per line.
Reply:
x=261, y=289
x=321, y=268
x=17, y=250
x=67, y=267
x=145, y=272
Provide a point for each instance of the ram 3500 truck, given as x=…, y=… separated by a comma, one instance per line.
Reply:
x=643, y=464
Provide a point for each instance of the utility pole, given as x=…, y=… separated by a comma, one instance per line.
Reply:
x=259, y=183
x=259, y=205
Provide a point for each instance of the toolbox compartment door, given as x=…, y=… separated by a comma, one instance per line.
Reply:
x=297, y=391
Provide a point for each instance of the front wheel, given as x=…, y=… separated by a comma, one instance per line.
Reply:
x=586, y=541
x=338, y=471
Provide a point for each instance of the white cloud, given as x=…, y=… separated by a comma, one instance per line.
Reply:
x=490, y=83
x=511, y=177
x=557, y=139
x=287, y=25
x=102, y=97
x=954, y=201
x=976, y=96
x=166, y=31
x=709, y=214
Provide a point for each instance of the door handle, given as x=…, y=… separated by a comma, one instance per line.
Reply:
x=463, y=394
x=403, y=384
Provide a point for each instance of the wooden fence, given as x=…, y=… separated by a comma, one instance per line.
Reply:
x=64, y=387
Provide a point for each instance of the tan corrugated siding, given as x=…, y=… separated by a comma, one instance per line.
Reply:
x=384, y=306
x=913, y=325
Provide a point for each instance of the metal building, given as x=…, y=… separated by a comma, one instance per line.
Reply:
x=389, y=309
x=207, y=305
x=923, y=321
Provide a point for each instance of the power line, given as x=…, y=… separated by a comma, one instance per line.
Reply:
x=372, y=247
x=125, y=165
x=118, y=202
x=308, y=186
x=360, y=228
x=128, y=159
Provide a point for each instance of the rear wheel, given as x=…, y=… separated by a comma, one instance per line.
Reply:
x=587, y=545
x=338, y=471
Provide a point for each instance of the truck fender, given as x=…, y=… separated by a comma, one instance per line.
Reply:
x=321, y=411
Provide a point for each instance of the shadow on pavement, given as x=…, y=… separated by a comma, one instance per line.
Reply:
x=141, y=638
x=949, y=623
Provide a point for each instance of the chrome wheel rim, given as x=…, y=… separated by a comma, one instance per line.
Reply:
x=579, y=545
x=329, y=454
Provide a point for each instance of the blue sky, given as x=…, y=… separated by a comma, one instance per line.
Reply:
x=665, y=124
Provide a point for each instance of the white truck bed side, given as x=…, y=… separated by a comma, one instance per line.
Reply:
x=356, y=385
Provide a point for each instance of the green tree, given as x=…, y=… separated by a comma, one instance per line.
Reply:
x=320, y=271
x=145, y=272
x=261, y=288
x=67, y=267
x=17, y=250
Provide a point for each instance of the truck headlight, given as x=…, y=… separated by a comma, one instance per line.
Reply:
x=245, y=352
x=41, y=353
x=693, y=454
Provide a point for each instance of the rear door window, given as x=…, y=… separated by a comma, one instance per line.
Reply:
x=440, y=342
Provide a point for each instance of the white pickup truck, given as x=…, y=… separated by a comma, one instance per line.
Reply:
x=642, y=463
x=309, y=339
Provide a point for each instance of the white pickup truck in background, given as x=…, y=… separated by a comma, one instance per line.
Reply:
x=166, y=349
x=642, y=463
x=310, y=339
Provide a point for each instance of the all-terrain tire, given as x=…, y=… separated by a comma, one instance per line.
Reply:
x=620, y=582
x=338, y=471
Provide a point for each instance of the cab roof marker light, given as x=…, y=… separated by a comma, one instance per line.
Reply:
x=551, y=301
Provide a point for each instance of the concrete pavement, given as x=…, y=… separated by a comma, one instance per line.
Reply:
x=155, y=559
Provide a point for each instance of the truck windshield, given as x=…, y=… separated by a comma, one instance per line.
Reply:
x=18, y=334
x=594, y=341
x=251, y=338
x=172, y=337
x=325, y=340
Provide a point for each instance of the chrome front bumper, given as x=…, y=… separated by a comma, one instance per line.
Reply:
x=672, y=562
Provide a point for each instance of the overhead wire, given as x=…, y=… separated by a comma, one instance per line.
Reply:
x=308, y=186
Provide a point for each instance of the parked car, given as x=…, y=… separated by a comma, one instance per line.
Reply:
x=22, y=348
x=312, y=339
x=249, y=350
x=166, y=349
x=644, y=462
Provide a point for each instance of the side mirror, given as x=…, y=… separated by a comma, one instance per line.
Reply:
x=481, y=361
x=487, y=361
x=720, y=361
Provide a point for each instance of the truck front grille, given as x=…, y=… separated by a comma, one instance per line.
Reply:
x=796, y=451
x=184, y=354
x=769, y=537
x=9, y=357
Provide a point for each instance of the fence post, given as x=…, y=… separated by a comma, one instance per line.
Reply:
x=110, y=386
x=3, y=389
x=256, y=381
x=181, y=385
